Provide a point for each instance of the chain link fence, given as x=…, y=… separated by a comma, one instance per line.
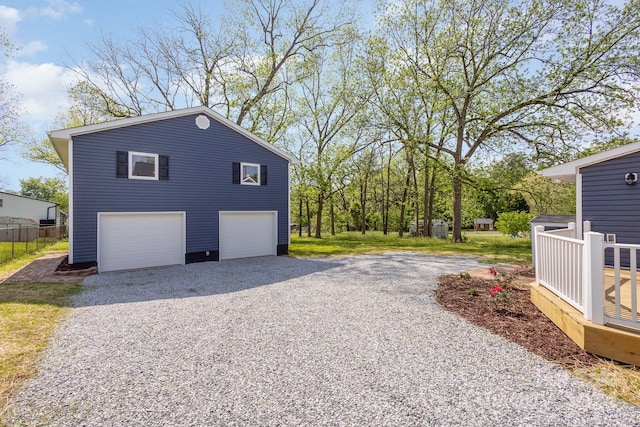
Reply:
x=17, y=240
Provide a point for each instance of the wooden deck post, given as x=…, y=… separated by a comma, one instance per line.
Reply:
x=593, y=276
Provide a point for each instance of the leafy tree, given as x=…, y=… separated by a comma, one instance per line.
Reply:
x=330, y=125
x=88, y=106
x=540, y=71
x=546, y=197
x=496, y=185
x=51, y=189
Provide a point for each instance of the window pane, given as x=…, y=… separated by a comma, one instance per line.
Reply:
x=250, y=174
x=143, y=165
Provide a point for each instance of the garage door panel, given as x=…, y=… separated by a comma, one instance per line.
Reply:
x=139, y=240
x=247, y=234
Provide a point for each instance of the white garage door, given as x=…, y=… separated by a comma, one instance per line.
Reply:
x=248, y=234
x=140, y=239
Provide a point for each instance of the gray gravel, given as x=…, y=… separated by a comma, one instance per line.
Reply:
x=282, y=341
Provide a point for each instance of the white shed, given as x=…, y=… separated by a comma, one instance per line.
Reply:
x=15, y=205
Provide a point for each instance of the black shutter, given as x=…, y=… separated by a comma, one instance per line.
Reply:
x=122, y=164
x=163, y=167
x=236, y=173
x=263, y=174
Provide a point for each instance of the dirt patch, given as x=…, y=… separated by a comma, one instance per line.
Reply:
x=518, y=320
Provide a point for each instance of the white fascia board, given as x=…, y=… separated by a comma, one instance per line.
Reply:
x=60, y=137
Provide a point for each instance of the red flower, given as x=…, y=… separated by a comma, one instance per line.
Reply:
x=493, y=271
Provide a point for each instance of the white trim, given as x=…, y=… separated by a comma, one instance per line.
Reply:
x=156, y=161
x=58, y=137
x=567, y=171
x=70, y=217
x=254, y=165
x=183, y=214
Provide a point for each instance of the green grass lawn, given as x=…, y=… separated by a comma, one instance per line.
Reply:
x=30, y=314
x=20, y=249
x=491, y=248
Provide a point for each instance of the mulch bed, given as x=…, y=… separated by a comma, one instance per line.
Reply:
x=78, y=269
x=519, y=321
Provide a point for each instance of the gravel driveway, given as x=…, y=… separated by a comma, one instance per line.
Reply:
x=282, y=341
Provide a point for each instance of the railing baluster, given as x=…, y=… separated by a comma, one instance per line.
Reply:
x=616, y=266
x=634, y=297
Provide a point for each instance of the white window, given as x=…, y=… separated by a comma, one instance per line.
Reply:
x=143, y=165
x=249, y=174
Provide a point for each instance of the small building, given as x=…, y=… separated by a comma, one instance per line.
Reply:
x=173, y=188
x=607, y=193
x=38, y=211
x=439, y=228
x=483, y=224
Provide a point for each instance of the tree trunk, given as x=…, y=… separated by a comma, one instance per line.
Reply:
x=300, y=218
x=404, y=204
x=385, y=219
x=333, y=219
x=426, y=201
x=363, y=203
x=346, y=209
x=318, y=234
x=432, y=194
x=457, y=203
x=308, y=219
x=416, y=197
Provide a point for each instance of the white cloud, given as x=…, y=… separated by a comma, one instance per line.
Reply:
x=32, y=48
x=57, y=9
x=43, y=88
x=9, y=18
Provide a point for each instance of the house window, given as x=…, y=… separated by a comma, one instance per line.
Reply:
x=249, y=174
x=143, y=165
x=0, y=203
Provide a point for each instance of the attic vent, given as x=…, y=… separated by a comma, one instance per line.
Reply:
x=203, y=122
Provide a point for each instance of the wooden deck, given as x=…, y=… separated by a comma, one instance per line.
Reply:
x=625, y=294
x=613, y=342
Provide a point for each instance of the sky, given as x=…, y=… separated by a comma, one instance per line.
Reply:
x=51, y=35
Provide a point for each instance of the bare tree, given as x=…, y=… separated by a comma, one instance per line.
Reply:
x=243, y=65
x=11, y=130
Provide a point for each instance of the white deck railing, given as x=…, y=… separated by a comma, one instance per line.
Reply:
x=574, y=270
x=559, y=264
x=621, y=299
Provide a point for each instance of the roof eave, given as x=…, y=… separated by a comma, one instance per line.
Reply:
x=60, y=138
x=569, y=170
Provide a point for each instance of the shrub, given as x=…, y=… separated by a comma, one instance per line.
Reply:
x=513, y=223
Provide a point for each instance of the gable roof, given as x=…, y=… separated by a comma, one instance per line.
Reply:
x=60, y=138
x=27, y=197
x=567, y=171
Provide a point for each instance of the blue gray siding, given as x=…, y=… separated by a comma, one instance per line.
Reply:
x=612, y=206
x=200, y=180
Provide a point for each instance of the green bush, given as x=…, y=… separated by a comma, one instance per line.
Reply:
x=513, y=223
